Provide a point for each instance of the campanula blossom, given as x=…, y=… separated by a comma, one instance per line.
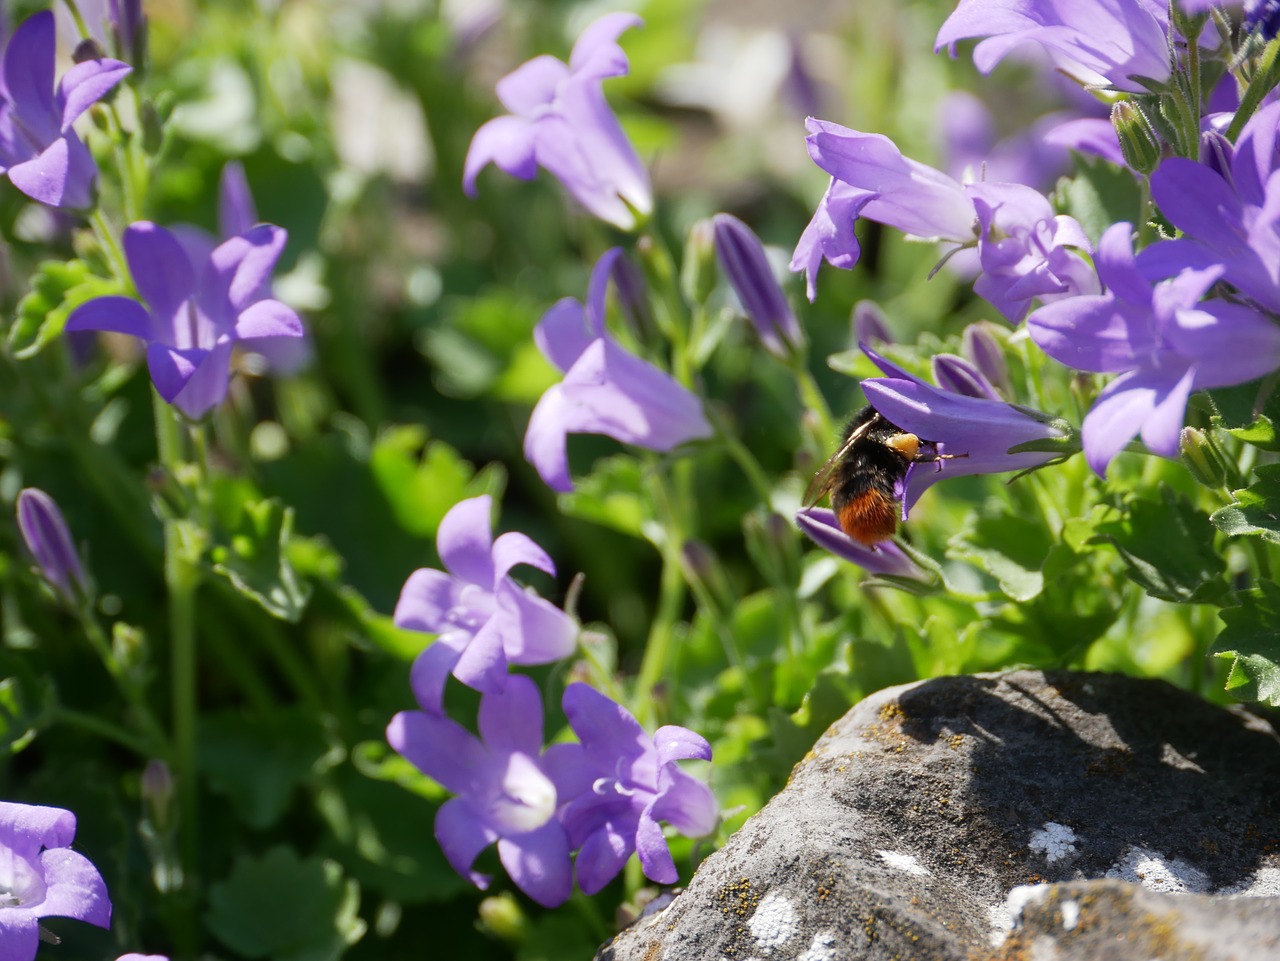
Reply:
x=41, y=877
x=1263, y=16
x=886, y=558
x=561, y=121
x=605, y=389
x=1228, y=211
x=46, y=536
x=747, y=266
x=197, y=311
x=39, y=148
x=1108, y=43
x=1024, y=250
x=621, y=782
x=506, y=789
x=483, y=619
x=980, y=430
x=1163, y=339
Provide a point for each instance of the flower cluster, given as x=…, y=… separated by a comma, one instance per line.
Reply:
x=601, y=797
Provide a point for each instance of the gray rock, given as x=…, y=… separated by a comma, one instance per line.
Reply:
x=1109, y=817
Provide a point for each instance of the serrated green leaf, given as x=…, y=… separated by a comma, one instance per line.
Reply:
x=285, y=908
x=1011, y=549
x=57, y=289
x=256, y=561
x=1251, y=642
x=1167, y=548
x=1249, y=412
x=257, y=762
x=1256, y=509
x=422, y=479
x=1099, y=195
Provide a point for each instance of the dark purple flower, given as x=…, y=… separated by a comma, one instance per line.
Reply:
x=560, y=121
x=39, y=148
x=622, y=783
x=981, y=348
x=483, y=619
x=46, y=536
x=605, y=389
x=1229, y=212
x=1163, y=339
x=129, y=24
x=506, y=790
x=1106, y=43
x=1261, y=15
x=42, y=877
x=885, y=558
x=198, y=311
x=981, y=430
x=962, y=377
x=747, y=266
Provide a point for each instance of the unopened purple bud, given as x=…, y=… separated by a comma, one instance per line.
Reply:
x=47, y=537
x=628, y=284
x=744, y=261
x=130, y=27
x=982, y=348
x=157, y=791
x=698, y=271
x=869, y=323
x=961, y=377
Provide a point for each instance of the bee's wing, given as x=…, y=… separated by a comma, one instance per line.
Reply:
x=825, y=477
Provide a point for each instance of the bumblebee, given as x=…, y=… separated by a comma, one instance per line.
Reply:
x=863, y=476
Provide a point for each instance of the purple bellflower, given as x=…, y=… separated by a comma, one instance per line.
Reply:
x=506, y=789
x=561, y=121
x=1263, y=16
x=41, y=877
x=605, y=390
x=1164, y=340
x=39, y=148
x=981, y=429
x=1023, y=249
x=621, y=782
x=46, y=536
x=483, y=619
x=886, y=558
x=198, y=311
x=1228, y=211
x=1106, y=43
x=747, y=266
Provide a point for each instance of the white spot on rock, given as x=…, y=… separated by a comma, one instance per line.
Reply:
x=1152, y=870
x=903, y=862
x=1055, y=841
x=1070, y=914
x=1265, y=883
x=1003, y=917
x=774, y=922
x=821, y=948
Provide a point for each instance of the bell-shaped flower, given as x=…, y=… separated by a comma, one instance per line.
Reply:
x=39, y=148
x=605, y=389
x=560, y=121
x=1163, y=339
x=46, y=536
x=506, y=790
x=198, y=311
x=977, y=433
x=886, y=558
x=1228, y=212
x=1107, y=43
x=42, y=877
x=746, y=264
x=483, y=619
x=620, y=783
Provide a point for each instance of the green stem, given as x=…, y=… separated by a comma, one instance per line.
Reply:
x=126, y=683
x=106, y=236
x=1266, y=77
x=813, y=400
x=74, y=9
x=743, y=458
x=105, y=729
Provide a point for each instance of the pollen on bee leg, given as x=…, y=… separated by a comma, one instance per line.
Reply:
x=908, y=445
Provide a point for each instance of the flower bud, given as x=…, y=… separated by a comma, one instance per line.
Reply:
x=628, y=283
x=1138, y=141
x=47, y=537
x=157, y=792
x=870, y=325
x=698, y=272
x=503, y=917
x=1202, y=458
x=983, y=350
x=745, y=264
x=961, y=377
x=86, y=50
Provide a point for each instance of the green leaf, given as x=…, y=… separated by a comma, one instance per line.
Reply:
x=27, y=705
x=256, y=762
x=1010, y=548
x=1256, y=509
x=1099, y=195
x=1167, y=548
x=282, y=907
x=422, y=479
x=57, y=289
x=256, y=561
x=614, y=494
x=1251, y=641
x=1249, y=412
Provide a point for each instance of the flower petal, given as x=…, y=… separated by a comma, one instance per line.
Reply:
x=602, y=856
x=28, y=69
x=1162, y=430
x=679, y=743
x=483, y=664
x=545, y=438
x=608, y=732
x=598, y=288
x=462, y=835
x=539, y=864
x=61, y=175
x=119, y=315
x=513, y=548
x=238, y=271
x=85, y=84
x=596, y=52
x=431, y=670
x=505, y=141
x=655, y=856
x=532, y=85
x=193, y=380
x=19, y=933
x=464, y=540
x=29, y=827
x=161, y=270
x=686, y=804
x=425, y=600
x=236, y=212
x=534, y=631
x=267, y=318
x=562, y=334
x=442, y=749
x=75, y=888
x=820, y=525
x=1115, y=419
x=512, y=719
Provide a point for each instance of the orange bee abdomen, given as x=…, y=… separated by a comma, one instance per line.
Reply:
x=869, y=516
